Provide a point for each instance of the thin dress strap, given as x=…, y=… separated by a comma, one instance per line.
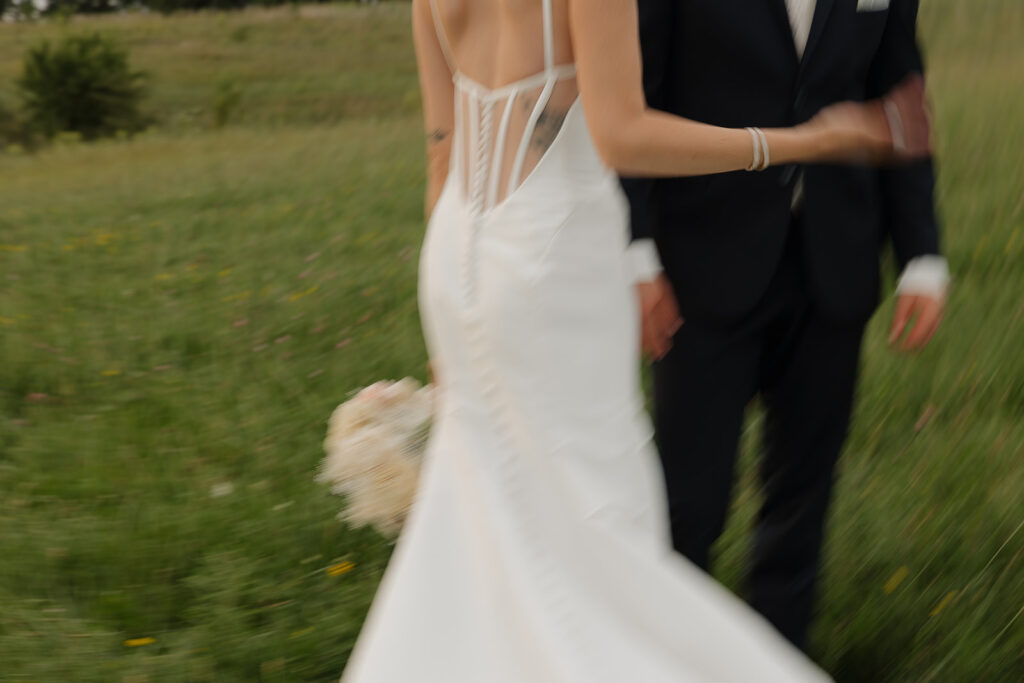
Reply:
x=549, y=39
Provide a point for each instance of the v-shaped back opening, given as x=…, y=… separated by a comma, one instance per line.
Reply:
x=502, y=134
x=560, y=72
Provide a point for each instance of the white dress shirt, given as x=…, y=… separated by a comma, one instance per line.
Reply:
x=922, y=276
x=801, y=14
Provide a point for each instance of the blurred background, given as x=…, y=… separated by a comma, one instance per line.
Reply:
x=210, y=219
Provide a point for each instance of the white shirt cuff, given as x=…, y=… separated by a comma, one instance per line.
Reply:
x=643, y=262
x=925, y=276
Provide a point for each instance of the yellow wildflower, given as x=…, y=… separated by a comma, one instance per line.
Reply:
x=942, y=605
x=896, y=579
x=299, y=295
x=341, y=568
x=139, y=642
x=238, y=297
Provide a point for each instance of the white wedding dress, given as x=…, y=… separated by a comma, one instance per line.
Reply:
x=537, y=550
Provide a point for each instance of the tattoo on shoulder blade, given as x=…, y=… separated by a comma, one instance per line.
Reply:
x=548, y=125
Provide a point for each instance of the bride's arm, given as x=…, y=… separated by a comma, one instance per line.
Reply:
x=636, y=140
x=438, y=100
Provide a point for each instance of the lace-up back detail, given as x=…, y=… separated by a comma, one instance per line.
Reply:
x=502, y=134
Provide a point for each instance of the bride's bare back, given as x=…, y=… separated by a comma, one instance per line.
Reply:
x=514, y=82
x=497, y=42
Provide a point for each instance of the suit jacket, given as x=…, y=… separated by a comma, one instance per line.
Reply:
x=734, y=63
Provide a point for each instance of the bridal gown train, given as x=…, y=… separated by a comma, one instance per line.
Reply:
x=537, y=550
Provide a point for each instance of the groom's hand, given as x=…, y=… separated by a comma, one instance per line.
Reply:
x=660, y=318
x=921, y=315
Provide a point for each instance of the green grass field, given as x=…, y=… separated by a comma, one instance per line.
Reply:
x=180, y=312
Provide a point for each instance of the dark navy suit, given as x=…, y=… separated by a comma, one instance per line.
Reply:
x=775, y=298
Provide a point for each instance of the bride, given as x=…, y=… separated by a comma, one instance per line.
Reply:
x=537, y=550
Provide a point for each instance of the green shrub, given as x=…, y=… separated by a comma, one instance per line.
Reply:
x=82, y=84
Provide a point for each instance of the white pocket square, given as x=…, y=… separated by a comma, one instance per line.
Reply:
x=872, y=5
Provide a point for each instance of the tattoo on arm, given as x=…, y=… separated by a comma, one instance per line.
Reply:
x=437, y=136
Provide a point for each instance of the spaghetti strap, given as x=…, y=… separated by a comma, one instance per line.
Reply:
x=442, y=37
x=549, y=39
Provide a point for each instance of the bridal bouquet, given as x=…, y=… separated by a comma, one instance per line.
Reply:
x=374, y=446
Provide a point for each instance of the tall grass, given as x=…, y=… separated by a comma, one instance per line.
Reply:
x=180, y=312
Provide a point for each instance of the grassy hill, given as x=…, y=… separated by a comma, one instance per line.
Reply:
x=180, y=312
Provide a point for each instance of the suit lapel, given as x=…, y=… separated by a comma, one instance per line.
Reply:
x=821, y=12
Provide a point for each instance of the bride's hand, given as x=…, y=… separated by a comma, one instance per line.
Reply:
x=895, y=128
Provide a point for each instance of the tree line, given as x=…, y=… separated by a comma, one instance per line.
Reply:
x=18, y=9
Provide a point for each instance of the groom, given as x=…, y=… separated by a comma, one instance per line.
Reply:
x=775, y=273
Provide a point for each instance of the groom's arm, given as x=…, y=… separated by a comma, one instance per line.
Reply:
x=657, y=26
x=908, y=193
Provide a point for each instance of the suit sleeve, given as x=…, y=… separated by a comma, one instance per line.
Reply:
x=656, y=32
x=908, y=193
